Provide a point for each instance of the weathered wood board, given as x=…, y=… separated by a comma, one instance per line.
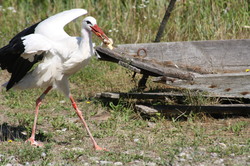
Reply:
x=228, y=106
x=218, y=67
x=164, y=95
x=212, y=56
x=231, y=84
x=226, y=109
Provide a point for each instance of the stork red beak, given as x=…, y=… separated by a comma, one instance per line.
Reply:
x=97, y=30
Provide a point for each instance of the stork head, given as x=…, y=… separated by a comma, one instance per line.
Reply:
x=89, y=23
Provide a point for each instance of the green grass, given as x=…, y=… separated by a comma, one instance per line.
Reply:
x=130, y=137
x=190, y=20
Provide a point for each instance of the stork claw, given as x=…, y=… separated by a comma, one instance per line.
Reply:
x=98, y=148
x=34, y=143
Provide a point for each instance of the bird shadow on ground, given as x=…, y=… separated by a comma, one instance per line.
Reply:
x=8, y=132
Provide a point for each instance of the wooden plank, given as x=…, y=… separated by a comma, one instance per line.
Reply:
x=229, y=84
x=138, y=95
x=163, y=95
x=108, y=95
x=145, y=66
x=223, y=109
x=220, y=109
x=130, y=67
x=214, y=66
x=212, y=56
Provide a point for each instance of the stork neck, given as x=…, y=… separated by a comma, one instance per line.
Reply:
x=86, y=42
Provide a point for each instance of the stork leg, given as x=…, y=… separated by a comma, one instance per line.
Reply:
x=79, y=113
x=38, y=103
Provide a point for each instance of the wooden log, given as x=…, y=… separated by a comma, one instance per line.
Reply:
x=223, y=109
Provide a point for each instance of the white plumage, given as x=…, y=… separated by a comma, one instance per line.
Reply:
x=53, y=26
x=60, y=56
x=63, y=55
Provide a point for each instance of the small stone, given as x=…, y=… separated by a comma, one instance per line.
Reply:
x=105, y=162
x=118, y=163
x=219, y=161
x=95, y=159
x=43, y=155
x=126, y=152
x=223, y=145
x=151, y=124
x=27, y=163
x=64, y=129
x=24, y=133
x=182, y=154
x=158, y=158
x=214, y=154
x=78, y=149
x=151, y=164
x=136, y=140
x=202, y=164
x=137, y=161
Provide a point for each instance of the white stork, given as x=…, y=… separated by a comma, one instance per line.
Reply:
x=59, y=54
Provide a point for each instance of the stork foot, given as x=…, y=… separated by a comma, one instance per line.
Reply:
x=98, y=148
x=34, y=143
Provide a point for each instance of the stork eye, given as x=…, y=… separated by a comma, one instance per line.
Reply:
x=88, y=22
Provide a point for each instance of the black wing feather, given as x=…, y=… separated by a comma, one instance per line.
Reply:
x=11, y=60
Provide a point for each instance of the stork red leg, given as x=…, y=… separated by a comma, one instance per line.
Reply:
x=79, y=113
x=38, y=103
